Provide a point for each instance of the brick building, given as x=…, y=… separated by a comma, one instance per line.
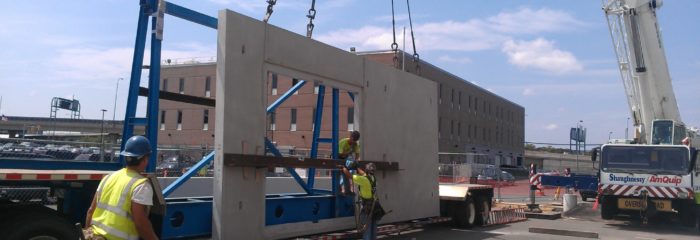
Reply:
x=471, y=119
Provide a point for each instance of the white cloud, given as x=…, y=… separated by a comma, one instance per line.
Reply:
x=450, y=59
x=90, y=64
x=468, y=35
x=528, y=21
x=541, y=54
x=528, y=91
x=551, y=127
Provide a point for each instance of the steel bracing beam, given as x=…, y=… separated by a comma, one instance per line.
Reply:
x=190, y=15
x=318, y=121
x=271, y=147
x=285, y=96
x=206, y=160
x=135, y=78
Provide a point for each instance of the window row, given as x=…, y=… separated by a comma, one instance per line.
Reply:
x=178, y=126
x=499, y=135
x=293, y=120
x=181, y=86
x=274, y=85
x=473, y=104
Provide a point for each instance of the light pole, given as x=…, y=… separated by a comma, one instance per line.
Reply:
x=102, y=136
x=627, y=128
x=114, y=110
x=578, y=142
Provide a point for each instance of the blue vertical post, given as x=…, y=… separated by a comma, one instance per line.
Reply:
x=153, y=96
x=334, y=150
x=318, y=118
x=137, y=61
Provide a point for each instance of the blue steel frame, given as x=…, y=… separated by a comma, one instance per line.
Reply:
x=312, y=205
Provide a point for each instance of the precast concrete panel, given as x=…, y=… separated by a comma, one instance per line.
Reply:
x=399, y=124
x=396, y=112
x=239, y=193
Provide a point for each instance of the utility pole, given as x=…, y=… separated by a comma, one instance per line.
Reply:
x=114, y=110
x=102, y=136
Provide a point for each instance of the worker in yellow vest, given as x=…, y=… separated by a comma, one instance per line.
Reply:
x=119, y=209
x=371, y=211
x=349, y=150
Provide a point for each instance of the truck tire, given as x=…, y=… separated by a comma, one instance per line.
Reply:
x=39, y=222
x=483, y=208
x=465, y=213
x=608, y=208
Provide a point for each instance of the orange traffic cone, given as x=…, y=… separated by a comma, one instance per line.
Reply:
x=595, y=205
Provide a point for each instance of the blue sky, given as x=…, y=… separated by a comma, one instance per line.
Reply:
x=552, y=57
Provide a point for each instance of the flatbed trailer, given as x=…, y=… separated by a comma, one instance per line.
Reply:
x=467, y=205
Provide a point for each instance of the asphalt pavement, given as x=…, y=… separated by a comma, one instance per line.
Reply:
x=582, y=222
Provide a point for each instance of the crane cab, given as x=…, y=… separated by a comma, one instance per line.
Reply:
x=668, y=132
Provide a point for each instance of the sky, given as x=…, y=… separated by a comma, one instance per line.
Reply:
x=554, y=58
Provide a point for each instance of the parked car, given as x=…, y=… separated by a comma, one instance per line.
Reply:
x=492, y=175
x=88, y=157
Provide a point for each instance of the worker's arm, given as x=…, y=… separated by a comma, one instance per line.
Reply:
x=143, y=224
x=90, y=211
x=346, y=172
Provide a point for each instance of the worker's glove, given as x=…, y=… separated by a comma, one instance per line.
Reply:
x=351, y=165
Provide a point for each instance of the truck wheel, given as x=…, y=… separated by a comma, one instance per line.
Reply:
x=608, y=208
x=465, y=213
x=39, y=223
x=483, y=208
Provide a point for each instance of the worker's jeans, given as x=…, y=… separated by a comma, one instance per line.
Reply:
x=345, y=183
x=371, y=232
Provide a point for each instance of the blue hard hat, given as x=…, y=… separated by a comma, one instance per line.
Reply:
x=136, y=146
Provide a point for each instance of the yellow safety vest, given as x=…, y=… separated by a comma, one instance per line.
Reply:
x=112, y=216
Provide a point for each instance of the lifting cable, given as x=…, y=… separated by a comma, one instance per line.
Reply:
x=394, y=46
x=270, y=3
x=416, y=57
x=311, y=16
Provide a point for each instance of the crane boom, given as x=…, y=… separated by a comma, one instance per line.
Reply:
x=642, y=62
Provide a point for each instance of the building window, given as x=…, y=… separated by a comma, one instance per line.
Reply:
x=351, y=119
x=293, y=120
x=294, y=83
x=452, y=127
x=207, y=87
x=459, y=101
x=274, y=84
x=206, y=120
x=162, y=120
x=476, y=104
x=440, y=93
x=272, y=121
x=165, y=85
x=182, y=86
x=179, y=119
x=439, y=126
x=470, y=102
x=459, y=129
x=316, y=87
x=313, y=118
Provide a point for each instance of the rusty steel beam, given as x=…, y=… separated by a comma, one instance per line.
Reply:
x=247, y=160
